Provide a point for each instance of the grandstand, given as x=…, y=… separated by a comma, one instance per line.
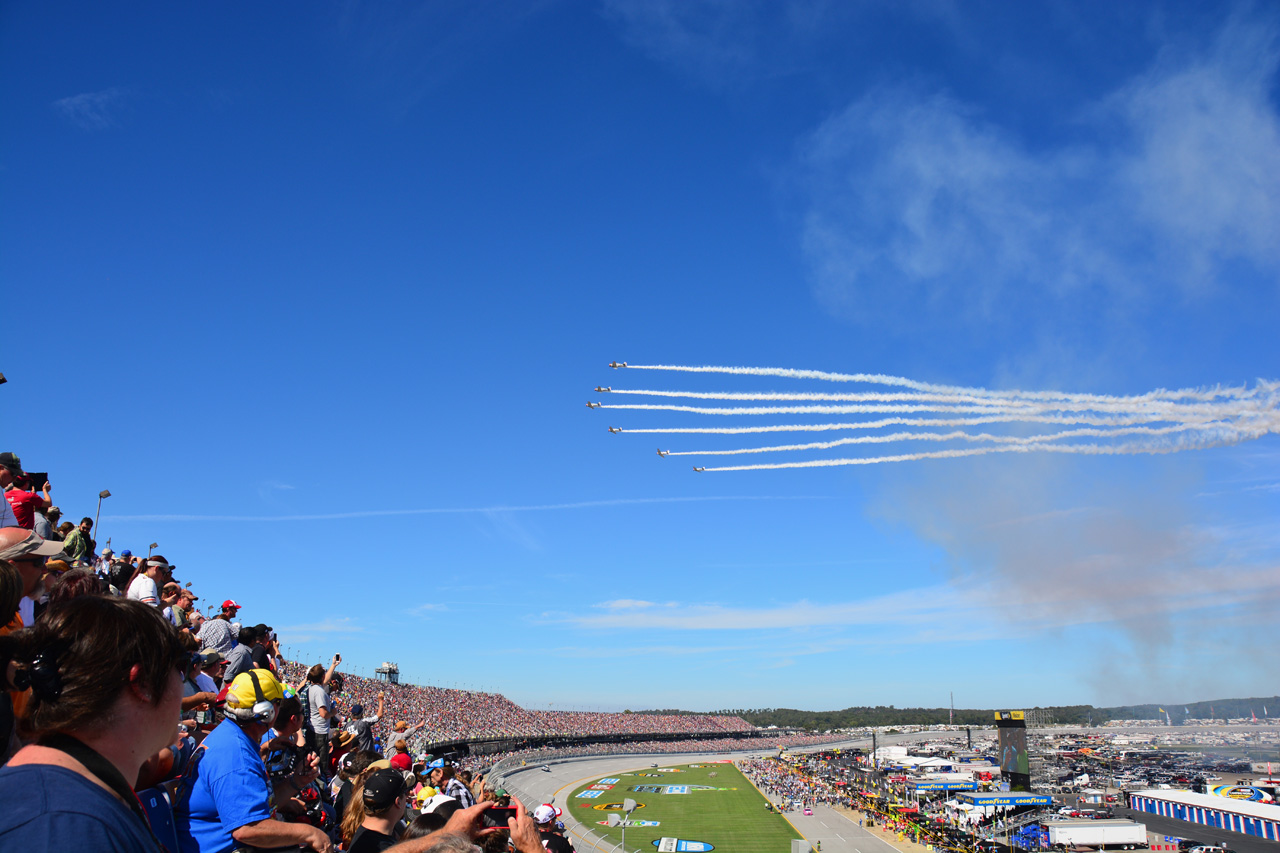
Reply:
x=467, y=720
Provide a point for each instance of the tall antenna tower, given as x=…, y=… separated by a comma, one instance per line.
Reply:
x=951, y=719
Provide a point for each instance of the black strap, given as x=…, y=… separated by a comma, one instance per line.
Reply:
x=104, y=770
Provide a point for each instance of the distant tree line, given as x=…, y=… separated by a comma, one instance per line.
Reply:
x=1081, y=715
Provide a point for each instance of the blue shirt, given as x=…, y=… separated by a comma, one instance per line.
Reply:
x=228, y=789
x=51, y=809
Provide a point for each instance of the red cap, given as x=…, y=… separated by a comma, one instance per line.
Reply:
x=402, y=761
x=230, y=603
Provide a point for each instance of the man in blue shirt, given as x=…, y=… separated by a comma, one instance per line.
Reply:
x=224, y=801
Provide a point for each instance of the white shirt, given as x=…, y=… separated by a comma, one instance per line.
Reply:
x=144, y=589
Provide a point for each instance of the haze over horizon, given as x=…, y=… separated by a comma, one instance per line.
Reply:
x=318, y=292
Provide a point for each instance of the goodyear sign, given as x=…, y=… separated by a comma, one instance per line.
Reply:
x=945, y=786
x=1011, y=799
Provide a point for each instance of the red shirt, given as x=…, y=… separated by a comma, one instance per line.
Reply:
x=24, y=506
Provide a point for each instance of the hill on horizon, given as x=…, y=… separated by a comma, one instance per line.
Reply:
x=889, y=715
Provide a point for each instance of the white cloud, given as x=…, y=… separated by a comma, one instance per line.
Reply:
x=919, y=204
x=311, y=631
x=625, y=604
x=91, y=110
x=1089, y=588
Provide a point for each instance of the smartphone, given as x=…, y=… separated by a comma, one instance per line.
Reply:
x=497, y=816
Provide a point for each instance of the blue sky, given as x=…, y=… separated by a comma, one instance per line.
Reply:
x=318, y=291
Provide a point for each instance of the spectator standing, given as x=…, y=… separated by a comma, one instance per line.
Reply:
x=79, y=544
x=264, y=648
x=240, y=658
x=454, y=787
x=385, y=795
x=320, y=706
x=224, y=800
x=106, y=687
x=46, y=523
x=400, y=732
x=362, y=726
x=545, y=817
x=10, y=471
x=217, y=633
x=25, y=504
x=146, y=586
x=182, y=608
x=26, y=552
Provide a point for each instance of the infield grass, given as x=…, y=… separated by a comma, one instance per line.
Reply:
x=734, y=820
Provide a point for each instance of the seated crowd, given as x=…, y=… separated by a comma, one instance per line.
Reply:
x=112, y=682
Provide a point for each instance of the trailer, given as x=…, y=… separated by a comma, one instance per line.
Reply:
x=1113, y=834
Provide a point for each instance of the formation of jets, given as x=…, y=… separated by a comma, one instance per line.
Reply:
x=602, y=389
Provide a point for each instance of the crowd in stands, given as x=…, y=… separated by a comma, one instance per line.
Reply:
x=113, y=682
x=449, y=715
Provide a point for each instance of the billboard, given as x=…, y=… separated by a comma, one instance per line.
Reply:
x=1015, y=762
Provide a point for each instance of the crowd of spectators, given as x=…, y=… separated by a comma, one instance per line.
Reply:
x=112, y=681
x=450, y=715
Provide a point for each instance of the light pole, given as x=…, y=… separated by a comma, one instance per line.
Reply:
x=102, y=494
x=152, y=547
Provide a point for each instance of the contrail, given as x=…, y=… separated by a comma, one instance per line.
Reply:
x=951, y=436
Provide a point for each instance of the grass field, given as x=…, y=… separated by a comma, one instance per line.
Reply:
x=733, y=820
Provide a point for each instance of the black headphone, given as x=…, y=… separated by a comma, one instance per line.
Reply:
x=263, y=710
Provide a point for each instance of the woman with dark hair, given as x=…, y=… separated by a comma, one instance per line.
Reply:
x=72, y=584
x=105, y=676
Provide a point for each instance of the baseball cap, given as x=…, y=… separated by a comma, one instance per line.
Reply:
x=357, y=710
x=15, y=547
x=242, y=695
x=382, y=788
x=544, y=813
x=125, y=553
x=230, y=603
x=402, y=761
x=442, y=804
x=13, y=463
x=210, y=656
x=262, y=629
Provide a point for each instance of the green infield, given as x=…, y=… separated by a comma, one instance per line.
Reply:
x=723, y=810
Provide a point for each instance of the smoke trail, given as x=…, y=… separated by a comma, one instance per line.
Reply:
x=954, y=436
x=1171, y=412
x=1081, y=449
x=1093, y=420
x=1202, y=394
